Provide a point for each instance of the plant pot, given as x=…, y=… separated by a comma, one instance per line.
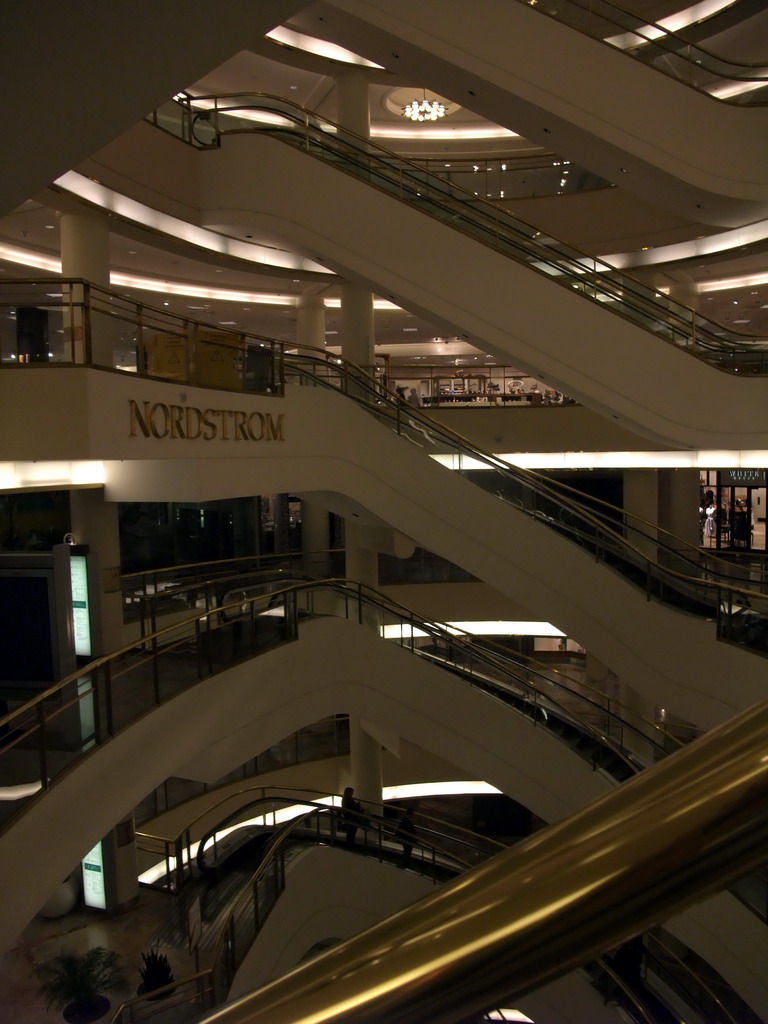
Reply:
x=84, y=1013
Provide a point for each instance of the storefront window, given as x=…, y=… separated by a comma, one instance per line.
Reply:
x=732, y=509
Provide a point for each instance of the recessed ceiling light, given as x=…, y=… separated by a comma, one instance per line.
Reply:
x=50, y=227
x=219, y=271
x=131, y=252
x=410, y=329
x=228, y=323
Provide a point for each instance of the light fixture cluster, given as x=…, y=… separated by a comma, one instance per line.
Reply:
x=424, y=110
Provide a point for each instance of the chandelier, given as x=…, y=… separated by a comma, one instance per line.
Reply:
x=424, y=110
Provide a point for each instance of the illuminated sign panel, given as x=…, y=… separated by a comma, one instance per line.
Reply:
x=94, y=888
x=81, y=616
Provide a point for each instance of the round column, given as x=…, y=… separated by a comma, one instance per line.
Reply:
x=357, y=333
x=85, y=254
x=85, y=247
x=314, y=537
x=352, y=107
x=310, y=321
x=365, y=764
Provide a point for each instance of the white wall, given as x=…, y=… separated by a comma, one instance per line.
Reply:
x=252, y=705
x=623, y=373
x=333, y=894
x=503, y=307
x=330, y=893
x=527, y=72
x=671, y=658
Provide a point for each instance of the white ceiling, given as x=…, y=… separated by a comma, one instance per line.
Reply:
x=306, y=79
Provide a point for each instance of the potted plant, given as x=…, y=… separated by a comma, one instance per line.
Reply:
x=155, y=973
x=75, y=983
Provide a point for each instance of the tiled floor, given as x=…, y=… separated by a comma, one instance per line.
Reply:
x=127, y=933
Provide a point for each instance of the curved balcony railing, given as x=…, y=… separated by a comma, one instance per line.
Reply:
x=439, y=852
x=668, y=569
x=672, y=52
x=616, y=292
x=551, y=903
x=48, y=735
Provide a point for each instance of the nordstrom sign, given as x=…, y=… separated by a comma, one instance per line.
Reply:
x=157, y=419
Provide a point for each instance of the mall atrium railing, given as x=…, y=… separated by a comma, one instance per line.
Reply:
x=606, y=733
x=667, y=568
x=102, y=329
x=549, y=904
x=48, y=735
x=203, y=121
x=286, y=821
x=672, y=52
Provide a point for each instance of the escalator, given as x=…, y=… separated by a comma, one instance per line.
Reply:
x=571, y=320
x=546, y=906
x=236, y=922
x=522, y=65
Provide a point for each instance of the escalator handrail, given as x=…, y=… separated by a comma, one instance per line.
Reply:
x=509, y=663
x=676, y=315
x=553, y=902
x=377, y=401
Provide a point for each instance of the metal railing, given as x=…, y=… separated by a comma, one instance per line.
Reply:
x=668, y=569
x=673, y=53
x=594, y=279
x=551, y=903
x=548, y=905
x=439, y=851
x=52, y=733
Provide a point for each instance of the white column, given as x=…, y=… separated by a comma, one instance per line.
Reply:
x=85, y=247
x=352, y=106
x=365, y=763
x=357, y=331
x=362, y=564
x=85, y=254
x=310, y=321
x=357, y=345
x=94, y=522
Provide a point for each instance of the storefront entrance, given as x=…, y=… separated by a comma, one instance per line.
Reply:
x=732, y=509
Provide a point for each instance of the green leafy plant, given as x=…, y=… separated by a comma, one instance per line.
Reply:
x=156, y=972
x=76, y=982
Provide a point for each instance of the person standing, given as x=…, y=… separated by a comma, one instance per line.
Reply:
x=406, y=832
x=351, y=811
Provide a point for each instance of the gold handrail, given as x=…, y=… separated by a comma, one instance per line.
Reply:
x=550, y=904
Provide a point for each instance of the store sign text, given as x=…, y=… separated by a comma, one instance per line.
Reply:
x=156, y=419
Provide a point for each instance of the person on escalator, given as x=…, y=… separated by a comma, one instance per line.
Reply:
x=351, y=811
x=406, y=833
